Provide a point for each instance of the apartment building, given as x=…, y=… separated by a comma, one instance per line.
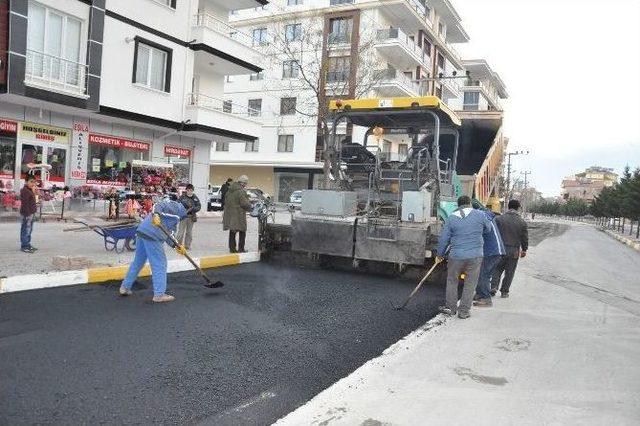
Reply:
x=89, y=86
x=588, y=184
x=322, y=49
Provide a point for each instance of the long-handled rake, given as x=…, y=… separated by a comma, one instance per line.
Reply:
x=422, y=281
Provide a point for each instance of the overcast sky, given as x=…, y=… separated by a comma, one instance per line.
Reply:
x=572, y=70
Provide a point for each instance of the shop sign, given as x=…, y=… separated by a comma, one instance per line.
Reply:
x=79, y=151
x=100, y=182
x=8, y=126
x=41, y=133
x=118, y=142
x=176, y=150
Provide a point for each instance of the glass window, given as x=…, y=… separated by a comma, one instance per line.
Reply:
x=339, y=68
x=441, y=61
x=403, y=150
x=340, y=30
x=7, y=158
x=259, y=36
x=222, y=146
x=252, y=146
x=181, y=168
x=227, y=106
x=285, y=143
x=257, y=76
x=293, y=2
x=112, y=164
x=288, y=106
x=255, y=107
x=290, y=69
x=471, y=101
x=151, y=67
x=293, y=32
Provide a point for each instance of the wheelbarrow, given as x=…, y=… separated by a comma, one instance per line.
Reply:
x=117, y=237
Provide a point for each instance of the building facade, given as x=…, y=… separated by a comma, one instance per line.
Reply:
x=91, y=90
x=318, y=50
x=588, y=184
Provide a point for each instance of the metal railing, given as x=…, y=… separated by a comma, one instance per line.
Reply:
x=56, y=73
x=209, y=21
x=487, y=91
x=221, y=105
x=396, y=34
x=392, y=76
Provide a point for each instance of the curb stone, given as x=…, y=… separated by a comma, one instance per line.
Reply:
x=627, y=241
x=110, y=273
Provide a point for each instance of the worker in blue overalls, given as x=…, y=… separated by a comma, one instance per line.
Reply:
x=149, y=246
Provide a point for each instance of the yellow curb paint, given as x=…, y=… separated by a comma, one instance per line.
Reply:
x=98, y=275
x=217, y=261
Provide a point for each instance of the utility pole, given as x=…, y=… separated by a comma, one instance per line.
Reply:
x=507, y=195
x=525, y=197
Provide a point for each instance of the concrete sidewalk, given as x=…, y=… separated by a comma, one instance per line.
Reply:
x=564, y=349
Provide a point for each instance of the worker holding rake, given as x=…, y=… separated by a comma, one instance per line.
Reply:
x=150, y=239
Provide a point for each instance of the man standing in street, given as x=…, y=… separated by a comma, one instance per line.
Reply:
x=493, y=252
x=234, y=218
x=223, y=191
x=462, y=231
x=515, y=235
x=191, y=203
x=28, y=209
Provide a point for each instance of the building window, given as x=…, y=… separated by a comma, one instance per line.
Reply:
x=227, y=106
x=339, y=2
x=471, y=101
x=222, y=146
x=255, y=107
x=440, y=28
x=170, y=3
x=339, y=69
x=285, y=143
x=293, y=32
x=252, y=146
x=53, y=46
x=403, y=151
x=260, y=36
x=290, y=69
x=441, y=62
x=288, y=106
x=439, y=92
x=257, y=76
x=230, y=79
x=152, y=65
x=293, y=2
x=426, y=46
x=340, y=30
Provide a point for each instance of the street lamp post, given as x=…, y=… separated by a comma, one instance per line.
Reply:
x=508, y=193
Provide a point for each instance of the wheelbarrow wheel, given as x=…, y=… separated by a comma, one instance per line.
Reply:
x=130, y=244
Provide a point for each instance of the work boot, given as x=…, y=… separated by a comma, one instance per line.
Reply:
x=445, y=310
x=161, y=298
x=483, y=303
x=28, y=250
x=124, y=291
x=232, y=250
x=463, y=315
x=504, y=295
x=493, y=292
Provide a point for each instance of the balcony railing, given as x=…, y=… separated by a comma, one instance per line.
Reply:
x=395, y=34
x=215, y=104
x=55, y=73
x=392, y=76
x=486, y=90
x=211, y=22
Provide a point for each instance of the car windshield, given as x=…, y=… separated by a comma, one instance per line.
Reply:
x=215, y=189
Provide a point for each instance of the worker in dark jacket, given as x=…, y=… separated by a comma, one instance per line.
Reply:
x=192, y=204
x=223, y=191
x=28, y=209
x=494, y=250
x=234, y=219
x=515, y=236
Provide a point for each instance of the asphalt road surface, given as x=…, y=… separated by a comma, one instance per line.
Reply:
x=250, y=353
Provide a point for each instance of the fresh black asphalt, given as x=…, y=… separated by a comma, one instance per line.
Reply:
x=250, y=353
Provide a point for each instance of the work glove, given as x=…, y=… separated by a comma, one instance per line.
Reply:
x=156, y=220
x=180, y=249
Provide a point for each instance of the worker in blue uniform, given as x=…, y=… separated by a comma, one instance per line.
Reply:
x=149, y=246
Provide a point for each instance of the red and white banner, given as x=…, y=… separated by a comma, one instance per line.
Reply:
x=8, y=126
x=99, y=182
x=118, y=142
x=79, y=151
x=176, y=150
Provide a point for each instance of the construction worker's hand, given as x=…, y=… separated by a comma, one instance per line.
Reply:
x=156, y=220
x=181, y=249
x=523, y=254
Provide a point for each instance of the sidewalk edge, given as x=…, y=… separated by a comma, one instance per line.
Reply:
x=111, y=273
x=627, y=241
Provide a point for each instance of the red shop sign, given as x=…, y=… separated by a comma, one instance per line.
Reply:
x=105, y=182
x=8, y=126
x=118, y=142
x=176, y=150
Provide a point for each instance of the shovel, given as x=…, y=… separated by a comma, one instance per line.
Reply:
x=422, y=281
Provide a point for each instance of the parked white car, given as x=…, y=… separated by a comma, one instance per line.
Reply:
x=215, y=199
x=295, y=200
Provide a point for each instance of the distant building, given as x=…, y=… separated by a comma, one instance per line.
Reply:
x=588, y=184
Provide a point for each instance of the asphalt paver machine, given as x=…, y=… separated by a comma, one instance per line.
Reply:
x=388, y=195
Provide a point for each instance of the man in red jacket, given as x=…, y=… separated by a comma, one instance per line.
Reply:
x=28, y=211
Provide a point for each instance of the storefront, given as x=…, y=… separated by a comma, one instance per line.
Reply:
x=8, y=132
x=43, y=153
x=110, y=159
x=181, y=159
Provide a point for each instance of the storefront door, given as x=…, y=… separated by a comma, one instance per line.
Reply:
x=52, y=158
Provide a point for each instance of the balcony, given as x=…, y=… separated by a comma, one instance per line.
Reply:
x=412, y=14
x=221, y=114
x=391, y=82
x=400, y=50
x=479, y=86
x=55, y=74
x=450, y=86
x=234, y=47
